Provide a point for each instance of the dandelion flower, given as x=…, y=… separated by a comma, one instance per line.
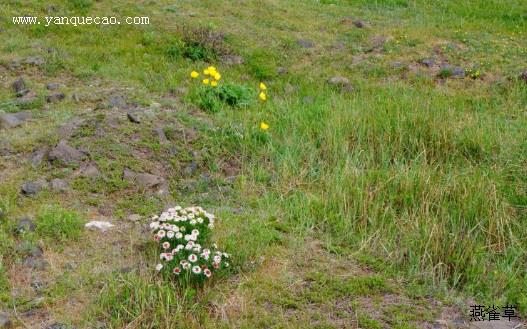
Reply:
x=194, y=74
x=263, y=86
x=264, y=126
x=263, y=96
x=217, y=76
x=206, y=81
x=206, y=72
x=213, y=83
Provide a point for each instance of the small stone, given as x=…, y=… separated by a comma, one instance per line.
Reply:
x=117, y=101
x=12, y=120
x=57, y=97
x=34, y=187
x=281, y=70
x=359, y=24
x=144, y=180
x=134, y=217
x=65, y=153
x=26, y=99
x=89, y=171
x=5, y=320
x=25, y=224
x=458, y=72
x=99, y=225
x=232, y=59
x=523, y=76
x=19, y=87
x=134, y=117
x=52, y=86
x=34, y=60
x=36, y=263
x=191, y=169
x=305, y=43
x=428, y=62
x=36, y=158
x=59, y=185
x=162, y=137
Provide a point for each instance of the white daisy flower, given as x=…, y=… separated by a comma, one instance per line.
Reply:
x=166, y=245
x=195, y=232
x=170, y=234
x=176, y=270
x=192, y=258
x=207, y=272
x=196, y=269
x=217, y=259
x=161, y=233
x=154, y=225
x=179, y=235
x=159, y=267
x=200, y=220
x=193, y=222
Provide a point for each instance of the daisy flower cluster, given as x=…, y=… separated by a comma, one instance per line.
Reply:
x=181, y=234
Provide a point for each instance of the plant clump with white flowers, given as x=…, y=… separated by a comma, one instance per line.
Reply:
x=181, y=234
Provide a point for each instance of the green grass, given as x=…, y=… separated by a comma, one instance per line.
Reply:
x=418, y=177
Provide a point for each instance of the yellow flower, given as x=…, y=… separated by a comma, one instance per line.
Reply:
x=263, y=86
x=206, y=72
x=217, y=76
x=214, y=83
x=264, y=126
x=263, y=96
x=205, y=81
x=211, y=69
x=194, y=74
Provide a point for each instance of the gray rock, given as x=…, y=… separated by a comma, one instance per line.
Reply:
x=34, y=60
x=232, y=60
x=143, y=180
x=428, y=62
x=281, y=70
x=458, y=72
x=54, y=98
x=65, y=153
x=36, y=263
x=117, y=101
x=37, y=157
x=341, y=82
x=89, y=171
x=68, y=129
x=25, y=224
x=305, y=43
x=26, y=99
x=11, y=120
x=134, y=117
x=59, y=185
x=134, y=217
x=5, y=320
x=190, y=169
x=52, y=86
x=19, y=87
x=397, y=65
x=34, y=187
x=161, y=135
x=523, y=76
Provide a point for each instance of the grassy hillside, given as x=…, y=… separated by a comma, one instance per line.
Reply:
x=386, y=198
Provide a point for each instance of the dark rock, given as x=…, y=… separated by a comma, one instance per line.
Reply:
x=232, y=60
x=37, y=157
x=143, y=180
x=57, y=97
x=25, y=224
x=65, y=153
x=59, y=185
x=52, y=86
x=5, y=320
x=358, y=23
x=32, y=188
x=428, y=62
x=19, y=87
x=117, y=101
x=281, y=70
x=11, y=120
x=305, y=43
x=134, y=117
x=523, y=76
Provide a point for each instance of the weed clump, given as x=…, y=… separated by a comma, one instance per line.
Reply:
x=59, y=224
